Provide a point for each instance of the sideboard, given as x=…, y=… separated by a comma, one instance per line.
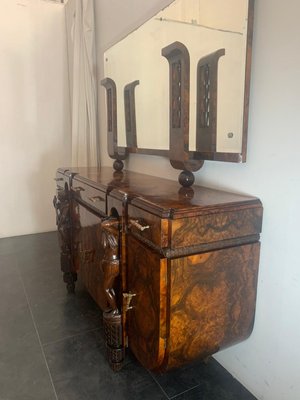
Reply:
x=174, y=269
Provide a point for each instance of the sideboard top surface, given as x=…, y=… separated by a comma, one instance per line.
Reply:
x=161, y=196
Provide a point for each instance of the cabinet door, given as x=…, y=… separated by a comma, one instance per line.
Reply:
x=87, y=250
x=212, y=301
x=146, y=276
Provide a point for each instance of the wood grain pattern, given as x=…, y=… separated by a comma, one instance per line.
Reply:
x=163, y=197
x=93, y=197
x=212, y=302
x=194, y=273
x=215, y=227
x=179, y=105
x=158, y=231
x=90, y=253
x=147, y=320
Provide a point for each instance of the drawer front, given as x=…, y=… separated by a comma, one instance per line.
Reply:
x=145, y=225
x=89, y=195
x=215, y=227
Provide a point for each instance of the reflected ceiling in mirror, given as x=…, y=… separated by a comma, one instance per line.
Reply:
x=206, y=28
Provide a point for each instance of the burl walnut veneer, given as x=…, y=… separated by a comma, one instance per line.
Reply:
x=173, y=269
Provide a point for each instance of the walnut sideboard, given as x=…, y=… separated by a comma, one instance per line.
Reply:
x=173, y=269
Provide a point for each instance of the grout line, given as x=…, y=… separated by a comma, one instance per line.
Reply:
x=36, y=330
x=70, y=337
x=158, y=384
x=185, y=391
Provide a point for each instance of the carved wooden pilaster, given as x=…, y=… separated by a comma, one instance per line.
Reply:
x=63, y=221
x=112, y=318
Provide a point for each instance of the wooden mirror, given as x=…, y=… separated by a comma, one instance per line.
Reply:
x=178, y=86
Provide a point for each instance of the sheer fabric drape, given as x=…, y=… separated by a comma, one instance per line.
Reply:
x=83, y=82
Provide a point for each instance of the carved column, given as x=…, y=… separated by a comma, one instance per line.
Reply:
x=61, y=204
x=112, y=318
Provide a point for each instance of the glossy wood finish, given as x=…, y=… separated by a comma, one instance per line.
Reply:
x=179, y=83
x=88, y=254
x=63, y=207
x=212, y=302
x=187, y=261
x=146, y=274
x=215, y=227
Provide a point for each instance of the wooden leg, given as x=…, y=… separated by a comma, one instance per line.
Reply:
x=112, y=322
x=70, y=278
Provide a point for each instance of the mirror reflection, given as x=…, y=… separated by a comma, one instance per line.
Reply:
x=214, y=33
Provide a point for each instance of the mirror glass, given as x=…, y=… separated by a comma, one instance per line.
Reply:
x=204, y=27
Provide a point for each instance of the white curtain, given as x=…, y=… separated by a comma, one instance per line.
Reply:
x=83, y=90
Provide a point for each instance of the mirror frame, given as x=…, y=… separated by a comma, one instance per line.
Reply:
x=180, y=156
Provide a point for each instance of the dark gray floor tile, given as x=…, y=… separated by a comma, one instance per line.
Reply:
x=19, y=245
x=210, y=391
x=65, y=316
x=11, y=290
x=24, y=376
x=80, y=372
x=209, y=381
x=8, y=263
x=23, y=371
x=44, y=283
x=17, y=331
x=182, y=379
x=35, y=260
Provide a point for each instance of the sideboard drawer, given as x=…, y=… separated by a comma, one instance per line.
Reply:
x=148, y=226
x=89, y=195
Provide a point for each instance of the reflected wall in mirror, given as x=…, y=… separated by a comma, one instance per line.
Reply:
x=216, y=37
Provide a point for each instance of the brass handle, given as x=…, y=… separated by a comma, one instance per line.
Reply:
x=95, y=199
x=127, y=300
x=79, y=189
x=138, y=225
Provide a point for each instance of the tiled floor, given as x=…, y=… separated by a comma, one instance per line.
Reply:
x=51, y=344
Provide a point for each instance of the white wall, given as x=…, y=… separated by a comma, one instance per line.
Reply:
x=34, y=113
x=268, y=363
